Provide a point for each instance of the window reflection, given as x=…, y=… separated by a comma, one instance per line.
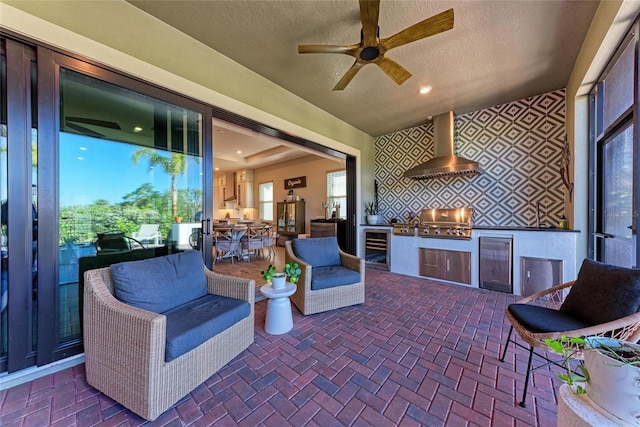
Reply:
x=130, y=182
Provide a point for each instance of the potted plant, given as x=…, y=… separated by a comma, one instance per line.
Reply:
x=293, y=271
x=614, y=377
x=611, y=373
x=372, y=213
x=277, y=280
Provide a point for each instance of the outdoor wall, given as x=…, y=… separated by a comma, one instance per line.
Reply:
x=519, y=146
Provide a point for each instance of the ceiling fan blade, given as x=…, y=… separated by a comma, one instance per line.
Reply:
x=323, y=48
x=369, y=14
x=85, y=131
x=350, y=74
x=429, y=27
x=397, y=72
x=95, y=122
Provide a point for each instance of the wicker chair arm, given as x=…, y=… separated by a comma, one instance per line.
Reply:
x=351, y=262
x=229, y=286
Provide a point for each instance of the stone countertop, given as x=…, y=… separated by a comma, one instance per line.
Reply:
x=522, y=228
x=497, y=228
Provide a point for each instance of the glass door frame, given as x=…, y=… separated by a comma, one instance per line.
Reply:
x=48, y=350
x=598, y=137
x=20, y=350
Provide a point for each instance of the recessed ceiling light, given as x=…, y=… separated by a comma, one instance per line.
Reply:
x=239, y=152
x=137, y=129
x=80, y=158
x=425, y=89
x=216, y=169
x=83, y=148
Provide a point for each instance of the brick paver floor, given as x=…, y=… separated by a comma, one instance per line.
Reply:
x=417, y=352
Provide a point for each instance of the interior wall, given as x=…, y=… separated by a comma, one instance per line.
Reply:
x=313, y=168
x=518, y=144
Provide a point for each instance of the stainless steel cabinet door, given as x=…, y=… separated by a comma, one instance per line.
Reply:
x=539, y=274
x=458, y=266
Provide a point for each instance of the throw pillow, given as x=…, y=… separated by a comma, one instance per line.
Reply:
x=160, y=284
x=603, y=293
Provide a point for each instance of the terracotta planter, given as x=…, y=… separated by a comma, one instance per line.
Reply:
x=612, y=385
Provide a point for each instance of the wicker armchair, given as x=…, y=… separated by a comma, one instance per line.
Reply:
x=625, y=328
x=125, y=346
x=310, y=301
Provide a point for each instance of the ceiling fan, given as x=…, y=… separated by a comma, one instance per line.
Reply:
x=372, y=48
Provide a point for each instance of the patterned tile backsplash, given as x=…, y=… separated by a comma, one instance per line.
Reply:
x=519, y=146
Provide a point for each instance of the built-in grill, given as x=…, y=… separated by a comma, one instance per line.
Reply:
x=445, y=223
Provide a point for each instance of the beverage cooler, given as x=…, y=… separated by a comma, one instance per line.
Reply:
x=376, y=248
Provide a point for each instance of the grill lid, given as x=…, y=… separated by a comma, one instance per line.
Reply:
x=446, y=217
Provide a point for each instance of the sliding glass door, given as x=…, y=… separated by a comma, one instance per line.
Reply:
x=614, y=159
x=131, y=180
x=95, y=168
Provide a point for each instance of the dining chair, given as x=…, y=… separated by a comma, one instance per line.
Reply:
x=227, y=242
x=252, y=240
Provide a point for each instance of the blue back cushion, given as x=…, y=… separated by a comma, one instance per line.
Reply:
x=603, y=293
x=318, y=251
x=160, y=284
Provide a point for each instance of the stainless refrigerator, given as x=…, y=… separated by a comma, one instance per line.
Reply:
x=496, y=264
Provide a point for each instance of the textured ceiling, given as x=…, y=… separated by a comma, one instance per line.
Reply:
x=498, y=51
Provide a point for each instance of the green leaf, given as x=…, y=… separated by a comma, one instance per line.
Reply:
x=555, y=345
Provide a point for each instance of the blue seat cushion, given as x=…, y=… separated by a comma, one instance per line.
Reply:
x=603, y=293
x=543, y=319
x=162, y=283
x=195, y=322
x=332, y=276
x=317, y=251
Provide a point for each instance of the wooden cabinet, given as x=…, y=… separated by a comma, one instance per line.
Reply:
x=454, y=266
x=244, y=188
x=244, y=194
x=221, y=191
x=245, y=175
x=291, y=218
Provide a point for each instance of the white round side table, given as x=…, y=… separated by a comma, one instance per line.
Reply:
x=279, y=319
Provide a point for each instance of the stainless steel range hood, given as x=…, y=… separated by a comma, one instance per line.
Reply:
x=444, y=162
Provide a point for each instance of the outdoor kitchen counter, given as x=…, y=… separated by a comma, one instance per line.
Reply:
x=544, y=243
